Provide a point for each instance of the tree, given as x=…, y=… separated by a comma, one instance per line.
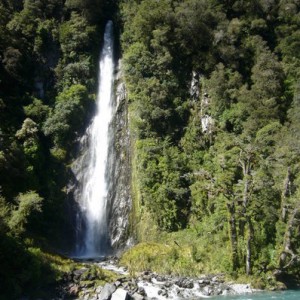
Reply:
x=194, y=31
x=287, y=155
x=223, y=89
x=68, y=116
x=75, y=36
x=37, y=111
x=163, y=185
x=28, y=136
x=21, y=217
x=263, y=100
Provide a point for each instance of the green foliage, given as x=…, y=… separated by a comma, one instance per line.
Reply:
x=37, y=111
x=189, y=252
x=27, y=204
x=164, y=259
x=14, y=257
x=77, y=41
x=4, y=215
x=163, y=185
x=92, y=10
x=233, y=184
x=68, y=115
x=75, y=36
x=223, y=88
x=194, y=31
x=48, y=52
x=239, y=173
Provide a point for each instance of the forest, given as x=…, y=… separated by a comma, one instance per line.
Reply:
x=213, y=99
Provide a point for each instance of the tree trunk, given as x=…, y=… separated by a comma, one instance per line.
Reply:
x=246, y=164
x=287, y=246
x=248, y=250
x=233, y=236
x=285, y=193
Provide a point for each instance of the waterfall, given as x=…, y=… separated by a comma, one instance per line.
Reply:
x=93, y=202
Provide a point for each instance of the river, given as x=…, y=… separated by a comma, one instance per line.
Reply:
x=282, y=295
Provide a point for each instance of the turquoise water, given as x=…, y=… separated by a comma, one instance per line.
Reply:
x=284, y=295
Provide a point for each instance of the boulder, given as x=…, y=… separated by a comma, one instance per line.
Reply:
x=74, y=290
x=137, y=296
x=120, y=294
x=185, y=283
x=118, y=283
x=141, y=291
x=204, y=282
x=107, y=291
x=207, y=290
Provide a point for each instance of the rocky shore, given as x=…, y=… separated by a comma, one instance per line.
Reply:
x=83, y=284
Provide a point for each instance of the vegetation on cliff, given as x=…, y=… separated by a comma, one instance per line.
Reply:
x=213, y=92
x=213, y=99
x=48, y=70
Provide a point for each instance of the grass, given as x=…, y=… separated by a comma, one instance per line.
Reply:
x=52, y=268
x=182, y=253
x=188, y=253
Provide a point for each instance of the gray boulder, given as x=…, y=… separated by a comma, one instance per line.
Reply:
x=137, y=296
x=107, y=291
x=120, y=294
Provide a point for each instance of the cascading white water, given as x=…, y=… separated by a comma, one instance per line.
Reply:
x=94, y=191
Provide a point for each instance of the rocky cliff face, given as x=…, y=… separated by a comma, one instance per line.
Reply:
x=199, y=93
x=119, y=168
x=117, y=174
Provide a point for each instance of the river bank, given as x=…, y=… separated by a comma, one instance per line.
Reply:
x=84, y=284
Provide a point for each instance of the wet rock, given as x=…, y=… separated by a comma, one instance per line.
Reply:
x=163, y=293
x=107, y=291
x=160, y=278
x=185, y=283
x=147, y=273
x=120, y=294
x=164, y=286
x=203, y=282
x=73, y=290
x=218, y=291
x=118, y=283
x=213, y=290
x=168, y=284
x=137, y=296
x=141, y=291
x=207, y=291
x=218, y=279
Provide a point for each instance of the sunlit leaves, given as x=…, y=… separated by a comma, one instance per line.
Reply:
x=68, y=114
x=75, y=35
x=27, y=204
